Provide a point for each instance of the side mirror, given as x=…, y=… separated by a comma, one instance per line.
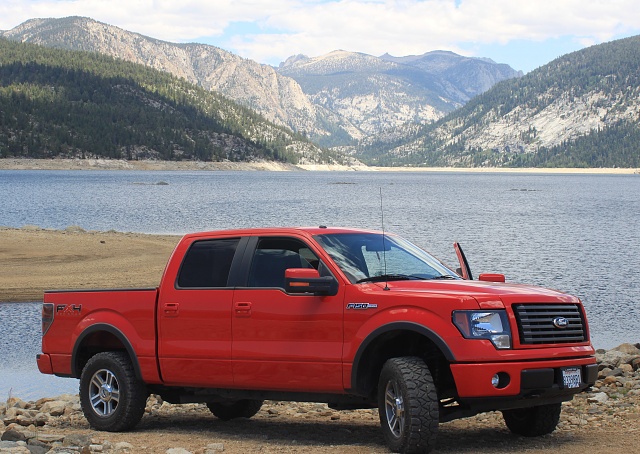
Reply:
x=491, y=277
x=308, y=280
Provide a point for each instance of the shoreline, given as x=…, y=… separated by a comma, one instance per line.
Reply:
x=36, y=259
x=119, y=164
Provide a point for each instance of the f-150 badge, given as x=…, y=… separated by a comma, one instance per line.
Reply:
x=361, y=306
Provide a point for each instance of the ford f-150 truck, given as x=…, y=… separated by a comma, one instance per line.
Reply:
x=352, y=318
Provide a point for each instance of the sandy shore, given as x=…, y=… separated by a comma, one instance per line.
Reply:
x=34, y=260
x=114, y=164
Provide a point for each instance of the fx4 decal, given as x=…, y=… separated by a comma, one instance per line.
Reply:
x=68, y=309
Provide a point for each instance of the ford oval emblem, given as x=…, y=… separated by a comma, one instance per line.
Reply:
x=560, y=322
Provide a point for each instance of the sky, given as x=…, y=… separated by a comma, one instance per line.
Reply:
x=524, y=34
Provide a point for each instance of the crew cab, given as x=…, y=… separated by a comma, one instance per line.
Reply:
x=352, y=318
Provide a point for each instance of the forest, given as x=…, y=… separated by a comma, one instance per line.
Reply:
x=59, y=103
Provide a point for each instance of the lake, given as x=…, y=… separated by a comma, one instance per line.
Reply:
x=573, y=232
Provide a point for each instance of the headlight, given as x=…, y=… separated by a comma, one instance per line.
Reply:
x=492, y=325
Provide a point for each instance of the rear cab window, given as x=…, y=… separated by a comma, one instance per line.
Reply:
x=207, y=264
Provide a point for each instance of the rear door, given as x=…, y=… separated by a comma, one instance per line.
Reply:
x=194, y=315
x=284, y=341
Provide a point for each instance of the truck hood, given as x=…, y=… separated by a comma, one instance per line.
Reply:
x=480, y=290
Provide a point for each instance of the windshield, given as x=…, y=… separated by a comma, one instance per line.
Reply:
x=366, y=257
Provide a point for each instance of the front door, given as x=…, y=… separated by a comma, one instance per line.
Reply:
x=284, y=341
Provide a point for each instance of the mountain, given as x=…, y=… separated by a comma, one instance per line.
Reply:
x=580, y=110
x=380, y=94
x=259, y=87
x=462, y=78
x=334, y=99
x=59, y=103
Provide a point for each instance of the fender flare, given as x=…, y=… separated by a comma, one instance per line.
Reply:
x=111, y=330
x=398, y=326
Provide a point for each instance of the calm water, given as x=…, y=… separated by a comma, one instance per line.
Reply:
x=576, y=233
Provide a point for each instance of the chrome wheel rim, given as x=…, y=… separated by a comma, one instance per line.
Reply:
x=394, y=408
x=104, y=393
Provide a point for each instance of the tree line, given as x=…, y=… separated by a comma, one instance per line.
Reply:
x=75, y=104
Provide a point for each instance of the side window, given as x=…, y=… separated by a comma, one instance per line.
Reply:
x=275, y=255
x=207, y=263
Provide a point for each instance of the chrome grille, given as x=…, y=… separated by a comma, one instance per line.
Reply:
x=536, y=323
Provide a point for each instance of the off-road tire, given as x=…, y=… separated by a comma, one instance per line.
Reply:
x=111, y=397
x=408, y=405
x=237, y=409
x=533, y=421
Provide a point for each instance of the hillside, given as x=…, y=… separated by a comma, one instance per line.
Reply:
x=381, y=94
x=59, y=103
x=364, y=95
x=580, y=110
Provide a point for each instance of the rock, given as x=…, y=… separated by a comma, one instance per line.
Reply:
x=25, y=420
x=11, y=415
x=50, y=438
x=13, y=435
x=612, y=359
x=213, y=448
x=123, y=447
x=12, y=447
x=626, y=368
x=629, y=349
x=77, y=440
x=54, y=408
x=177, y=451
x=33, y=449
x=74, y=229
x=16, y=403
x=598, y=398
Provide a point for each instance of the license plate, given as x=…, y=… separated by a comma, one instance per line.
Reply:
x=572, y=377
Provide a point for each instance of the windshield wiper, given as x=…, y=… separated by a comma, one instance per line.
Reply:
x=444, y=276
x=389, y=277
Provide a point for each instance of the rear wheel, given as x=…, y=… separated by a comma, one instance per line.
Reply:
x=408, y=405
x=236, y=409
x=111, y=396
x=533, y=421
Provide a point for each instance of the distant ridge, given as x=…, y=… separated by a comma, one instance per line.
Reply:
x=580, y=110
x=371, y=108
x=60, y=103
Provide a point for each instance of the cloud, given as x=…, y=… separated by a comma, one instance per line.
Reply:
x=271, y=30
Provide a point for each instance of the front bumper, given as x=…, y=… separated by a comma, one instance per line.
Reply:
x=521, y=379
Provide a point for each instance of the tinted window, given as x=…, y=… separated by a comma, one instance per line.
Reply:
x=207, y=263
x=275, y=255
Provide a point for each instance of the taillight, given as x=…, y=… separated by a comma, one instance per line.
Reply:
x=47, y=317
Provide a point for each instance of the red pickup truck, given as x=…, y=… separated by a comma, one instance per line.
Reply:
x=352, y=318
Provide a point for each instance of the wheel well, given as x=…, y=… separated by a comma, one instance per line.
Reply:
x=100, y=339
x=398, y=343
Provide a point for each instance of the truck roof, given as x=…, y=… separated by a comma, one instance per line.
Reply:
x=319, y=230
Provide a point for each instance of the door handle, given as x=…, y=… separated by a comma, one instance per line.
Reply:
x=171, y=309
x=243, y=309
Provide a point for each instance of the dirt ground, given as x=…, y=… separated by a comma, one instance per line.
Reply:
x=34, y=260
x=313, y=428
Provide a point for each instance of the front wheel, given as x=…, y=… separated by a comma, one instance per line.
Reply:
x=533, y=421
x=235, y=409
x=111, y=396
x=408, y=405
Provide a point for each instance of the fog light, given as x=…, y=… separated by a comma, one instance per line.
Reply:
x=501, y=341
x=495, y=380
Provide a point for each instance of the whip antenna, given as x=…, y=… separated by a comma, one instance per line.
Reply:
x=384, y=242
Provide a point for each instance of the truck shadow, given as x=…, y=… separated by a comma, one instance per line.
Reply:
x=355, y=435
